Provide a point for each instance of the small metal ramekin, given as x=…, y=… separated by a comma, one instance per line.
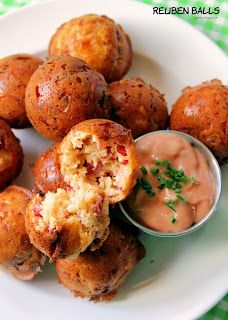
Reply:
x=216, y=175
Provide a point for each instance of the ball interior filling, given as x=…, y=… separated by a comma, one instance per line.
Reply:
x=102, y=165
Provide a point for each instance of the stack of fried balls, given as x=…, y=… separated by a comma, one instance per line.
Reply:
x=79, y=99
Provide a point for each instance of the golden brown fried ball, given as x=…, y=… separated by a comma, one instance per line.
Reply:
x=15, y=72
x=17, y=254
x=47, y=175
x=63, y=92
x=138, y=106
x=97, y=40
x=101, y=153
x=65, y=223
x=11, y=155
x=99, y=163
x=98, y=275
x=202, y=111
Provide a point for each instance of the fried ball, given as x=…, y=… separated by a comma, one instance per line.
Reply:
x=202, y=111
x=47, y=173
x=63, y=92
x=65, y=223
x=11, y=155
x=137, y=106
x=99, y=163
x=97, y=40
x=15, y=72
x=101, y=153
x=98, y=275
x=17, y=254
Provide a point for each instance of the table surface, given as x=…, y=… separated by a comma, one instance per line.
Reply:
x=215, y=27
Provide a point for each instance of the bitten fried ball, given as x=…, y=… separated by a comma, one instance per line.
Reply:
x=63, y=92
x=137, y=106
x=97, y=40
x=15, y=72
x=65, y=223
x=47, y=175
x=98, y=275
x=202, y=111
x=17, y=254
x=99, y=163
x=11, y=155
x=100, y=153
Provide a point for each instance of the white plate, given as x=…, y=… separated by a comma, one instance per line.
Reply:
x=189, y=274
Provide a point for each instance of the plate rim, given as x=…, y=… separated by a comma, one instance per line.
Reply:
x=192, y=29
x=32, y=6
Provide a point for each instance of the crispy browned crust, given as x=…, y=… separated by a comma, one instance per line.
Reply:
x=202, y=111
x=11, y=155
x=110, y=133
x=98, y=275
x=15, y=72
x=137, y=106
x=106, y=130
x=54, y=243
x=47, y=175
x=17, y=254
x=63, y=92
x=13, y=236
x=97, y=40
x=25, y=267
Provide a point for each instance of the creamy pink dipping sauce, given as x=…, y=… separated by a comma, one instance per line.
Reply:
x=153, y=212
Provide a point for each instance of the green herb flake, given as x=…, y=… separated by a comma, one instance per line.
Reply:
x=170, y=204
x=168, y=177
x=192, y=180
x=144, y=170
x=174, y=219
x=169, y=183
x=154, y=170
x=184, y=179
x=162, y=183
x=145, y=183
x=165, y=164
x=151, y=193
x=182, y=198
x=178, y=185
x=146, y=186
x=174, y=185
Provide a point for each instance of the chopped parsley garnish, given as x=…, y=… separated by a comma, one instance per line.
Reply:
x=154, y=170
x=170, y=184
x=170, y=204
x=144, y=170
x=178, y=185
x=183, y=199
x=147, y=186
x=192, y=180
x=165, y=164
x=150, y=193
x=174, y=219
x=184, y=179
x=168, y=177
x=162, y=183
x=145, y=183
